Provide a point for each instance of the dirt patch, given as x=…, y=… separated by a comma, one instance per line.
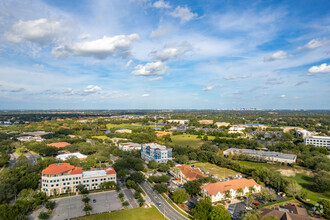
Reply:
x=293, y=172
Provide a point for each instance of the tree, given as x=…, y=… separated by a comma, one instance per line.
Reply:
x=321, y=181
x=252, y=190
x=161, y=187
x=268, y=194
x=43, y=215
x=137, y=177
x=125, y=204
x=130, y=183
x=86, y=199
x=80, y=187
x=193, y=187
x=240, y=191
x=219, y=213
x=293, y=189
x=121, y=195
x=87, y=208
x=50, y=205
x=170, y=163
x=202, y=209
x=141, y=201
x=326, y=208
x=163, y=167
x=192, y=156
x=182, y=159
x=180, y=195
x=251, y=215
x=153, y=164
x=227, y=194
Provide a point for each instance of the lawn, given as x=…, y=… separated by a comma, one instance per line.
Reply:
x=306, y=182
x=136, y=214
x=103, y=137
x=130, y=126
x=188, y=139
x=215, y=170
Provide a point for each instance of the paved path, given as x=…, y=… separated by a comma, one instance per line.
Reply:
x=165, y=208
x=129, y=196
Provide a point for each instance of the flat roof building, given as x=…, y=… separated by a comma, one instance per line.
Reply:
x=68, y=155
x=128, y=146
x=271, y=156
x=318, y=141
x=157, y=152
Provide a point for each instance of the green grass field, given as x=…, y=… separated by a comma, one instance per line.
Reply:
x=213, y=169
x=103, y=137
x=306, y=182
x=129, y=214
x=130, y=126
x=187, y=139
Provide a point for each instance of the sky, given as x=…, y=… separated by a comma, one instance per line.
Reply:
x=162, y=54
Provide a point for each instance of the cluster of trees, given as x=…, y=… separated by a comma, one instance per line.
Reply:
x=205, y=211
x=159, y=179
x=124, y=164
x=163, y=167
x=193, y=187
x=236, y=142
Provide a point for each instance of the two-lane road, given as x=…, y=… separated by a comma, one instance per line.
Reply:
x=165, y=208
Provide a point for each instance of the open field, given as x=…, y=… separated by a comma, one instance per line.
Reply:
x=188, y=139
x=103, y=137
x=306, y=182
x=215, y=170
x=136, y=214
x=130, y=126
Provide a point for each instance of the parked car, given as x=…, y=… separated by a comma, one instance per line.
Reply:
x=256, y=203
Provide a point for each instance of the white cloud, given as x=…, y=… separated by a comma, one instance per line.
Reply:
x=92, y=88
x=315, y=43
x=283, y=96
x=161, y=31
x=276, y=56
x=42, y=31
x=151, y=69
x=156, y=79
x=172, y=51
x=145, y=95
x=208, y=88
x=129, y=63
x=323, y=68
x=183, y=13
x=232, y=77
x=119, y=45
x=161, y=4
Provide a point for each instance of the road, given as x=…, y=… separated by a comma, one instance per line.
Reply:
x=129, y=196
x=165, y=208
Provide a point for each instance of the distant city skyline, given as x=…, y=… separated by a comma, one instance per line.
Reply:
x=143, y=54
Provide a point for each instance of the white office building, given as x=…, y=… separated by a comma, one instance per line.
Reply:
x=128, y=146
x=157, y=152
x=319, y=141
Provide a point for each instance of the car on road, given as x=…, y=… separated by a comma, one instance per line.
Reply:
x=94, y=200
x=159, y=204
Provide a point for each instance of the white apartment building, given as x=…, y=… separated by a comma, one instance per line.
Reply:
x=236, y=129
x=128, y=146
x=219, y=124
x=179, y=121
x=63, y=177
x=68, y=155
x=319, y=141
x=157, y=152
x=30, y=138
x=229, y=189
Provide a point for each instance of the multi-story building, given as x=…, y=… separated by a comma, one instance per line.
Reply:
x=270, y=156
x=66, y=156
x=179, y=121
x=157, y=152
x=304, y=133
x=186, y=173
x=229, y=189
x=30, y=138
x=128, y=146
x=220, y=124
x=236, y=129
x=63, y=177
x=205, y=122
x=319, y=141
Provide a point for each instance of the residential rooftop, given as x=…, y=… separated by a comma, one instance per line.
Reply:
x=222, y=187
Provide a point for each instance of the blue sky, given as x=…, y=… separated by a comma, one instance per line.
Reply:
x=143, y=54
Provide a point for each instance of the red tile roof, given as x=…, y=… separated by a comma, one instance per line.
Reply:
x=190, y=173
x=110, y=170
x=61, y=168
x=222, y=187
x=59, y=144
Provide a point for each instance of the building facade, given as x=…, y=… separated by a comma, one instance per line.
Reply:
x=63, y=177
x=229, y=189
x=128, y=146
x=186, y=173
x=270, y=156
x=157, y=152
x=179, y=121
x=66, y=156
x=319, y=141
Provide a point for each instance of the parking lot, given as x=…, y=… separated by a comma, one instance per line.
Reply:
x=70, y=207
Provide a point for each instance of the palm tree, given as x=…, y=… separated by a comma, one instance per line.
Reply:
x=252, y=189
x=240, y=191
x=227, y=194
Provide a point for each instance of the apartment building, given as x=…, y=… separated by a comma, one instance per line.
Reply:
x=205, y=122
x=229, y=189
x=66, y=156
x=220, y=124
x=270, y=156
x=179, y=121
x=319, y=141
x=30, y=138
x=128, y=146
x=63, y=177
x=157, y=152
x=236, y=129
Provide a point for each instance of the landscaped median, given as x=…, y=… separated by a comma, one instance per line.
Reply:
x=175, y=207
x=136, y=214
